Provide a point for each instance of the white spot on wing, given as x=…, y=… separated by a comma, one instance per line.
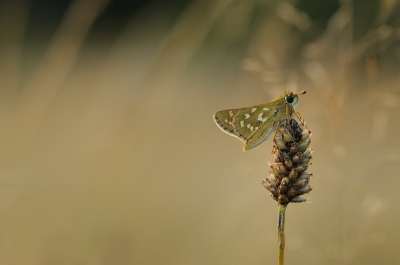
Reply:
x=248, y=126
x=241, y=124
x=265, y=108
x=260, y=117
x=247, y=116
x=253, y=109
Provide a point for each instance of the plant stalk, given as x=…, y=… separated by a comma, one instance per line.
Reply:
x=281, y=234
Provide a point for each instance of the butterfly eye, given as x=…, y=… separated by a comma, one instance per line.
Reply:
x=289, y=98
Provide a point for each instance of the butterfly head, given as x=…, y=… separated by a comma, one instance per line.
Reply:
x=292, y=98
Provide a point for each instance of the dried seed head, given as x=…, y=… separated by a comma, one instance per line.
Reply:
x=288, y=163
x=285, y=181
x=287, y=137
x=308, y=152
x=305, y=175
x=292, y=154
x=300, y=182
x=269, y=183
x=304, y=145
x=292, y=192
x=274, y=170
x=301, y=168
x=296, y=159
x=293, y=174
x=298, y=199
x=293, y=148
x=304, y=190
x=282, y=189
x=281, y=168
x=280, y=144
x=305, y=135
x=283, y=200
x=306, y=160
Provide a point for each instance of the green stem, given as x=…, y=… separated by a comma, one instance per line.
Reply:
x=281, y=233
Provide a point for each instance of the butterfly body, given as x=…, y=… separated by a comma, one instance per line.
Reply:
x=254, y=124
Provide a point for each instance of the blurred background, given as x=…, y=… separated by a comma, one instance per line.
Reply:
x=110, y=155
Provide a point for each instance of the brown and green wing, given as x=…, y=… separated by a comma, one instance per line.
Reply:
x=256, y=123
x=224, y=120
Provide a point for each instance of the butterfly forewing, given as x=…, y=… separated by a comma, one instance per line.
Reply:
x=256, y=123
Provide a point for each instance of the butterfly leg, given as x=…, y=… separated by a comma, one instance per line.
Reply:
x=301, y=119
x=289, y=113
x=277, y=124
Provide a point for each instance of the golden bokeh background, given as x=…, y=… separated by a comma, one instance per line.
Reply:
x=109, y=153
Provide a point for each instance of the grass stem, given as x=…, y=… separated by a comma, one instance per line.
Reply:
x=281, y=234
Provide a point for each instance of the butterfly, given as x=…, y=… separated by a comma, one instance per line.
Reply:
x=253, y=125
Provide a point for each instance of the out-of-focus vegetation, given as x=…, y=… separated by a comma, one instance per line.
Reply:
x=109, y=153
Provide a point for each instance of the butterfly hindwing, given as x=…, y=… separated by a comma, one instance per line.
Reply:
x=224, y=120
x=261, y=135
